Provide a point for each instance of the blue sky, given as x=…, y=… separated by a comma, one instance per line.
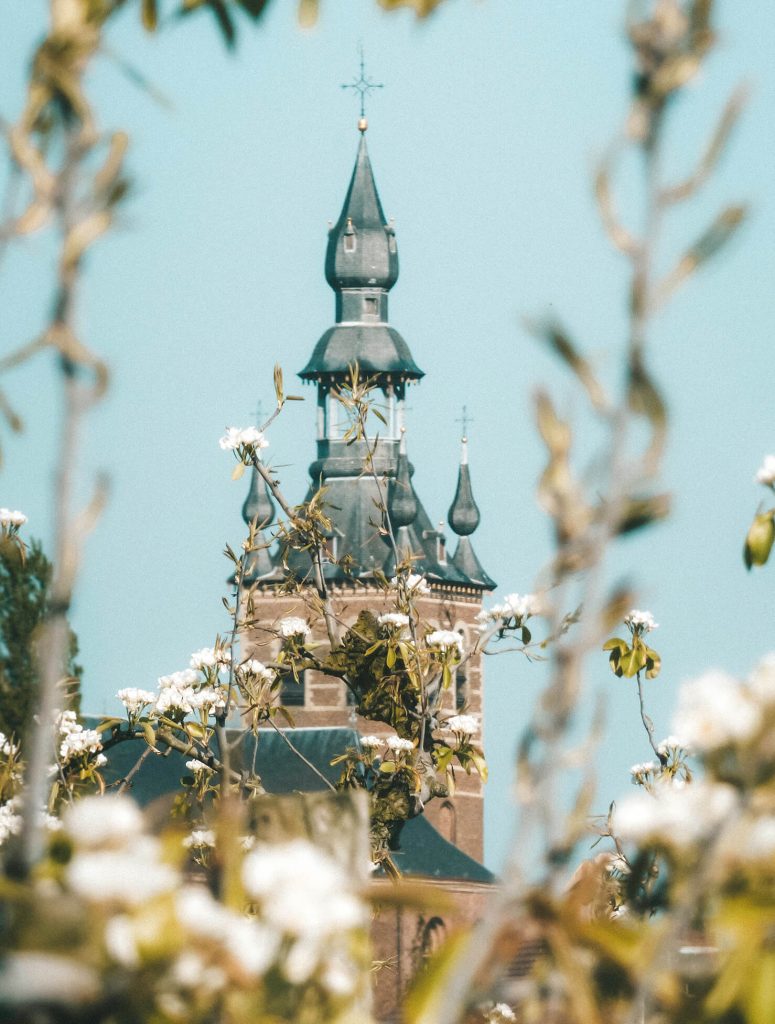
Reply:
x=483, y=141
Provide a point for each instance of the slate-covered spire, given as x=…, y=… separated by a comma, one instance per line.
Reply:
x=463, y=515
x=362, y=251
x=362, y=267
x=259, y=506
x=402, y=503
x=464, y=518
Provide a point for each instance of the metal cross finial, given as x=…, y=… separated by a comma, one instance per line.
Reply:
x=465, y=419
x=363, y=85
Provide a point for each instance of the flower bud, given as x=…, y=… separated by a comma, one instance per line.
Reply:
x=761, y=535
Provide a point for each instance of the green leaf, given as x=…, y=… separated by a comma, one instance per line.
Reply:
x=527, y=636
x=390, y=660
x=149, y=734
x=150, y=15
x=109, y=723
x=632, y=661
x=615, y=644
x=195, y=730
x=758, y=543
x=653, y=663
x=481, y=765
x=388, y=767
x=238, y=470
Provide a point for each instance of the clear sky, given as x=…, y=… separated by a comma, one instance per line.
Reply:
x=483, y=143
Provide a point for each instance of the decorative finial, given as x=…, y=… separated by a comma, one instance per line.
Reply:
x=363, y=86
x=465, y=419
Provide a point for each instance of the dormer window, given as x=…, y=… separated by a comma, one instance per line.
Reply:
x=371, y=306
x=349, y=237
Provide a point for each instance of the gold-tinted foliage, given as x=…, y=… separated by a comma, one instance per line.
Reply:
x=760, y=538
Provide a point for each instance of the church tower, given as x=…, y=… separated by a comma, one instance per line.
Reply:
x=361, y=266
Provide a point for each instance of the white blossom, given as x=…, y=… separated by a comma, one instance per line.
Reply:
x=257, y=669
x=109, y=820
x=293, y=626
x=209, y=699
x=715, y=711
x=243, y=437
x=134, y=700
x=766, y=472
x=414, y=584
x=500, y=1013
x=211, y=657
x=514, y=606
x=672, y=743
x=305, y=895
x=394, y=619
x=371, y=742
x=195, y=765
x=7, y=749
x=445, y=640
x=399, y=745
x=76, y=741
x=128, y=876
x=643, y=769
x=641, y=621
x=200, y=838
x=466, y=725
x=10, y=820
x=674, y=814
x=12, y=517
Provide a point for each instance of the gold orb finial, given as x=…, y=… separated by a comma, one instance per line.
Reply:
x=363, y=124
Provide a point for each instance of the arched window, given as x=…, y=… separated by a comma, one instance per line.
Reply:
x=291, y=692
x=448, y=821
x=433, y=935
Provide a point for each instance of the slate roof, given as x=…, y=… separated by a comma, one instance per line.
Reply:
x=423, y=851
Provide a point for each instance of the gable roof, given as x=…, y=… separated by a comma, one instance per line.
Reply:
x=423, y=852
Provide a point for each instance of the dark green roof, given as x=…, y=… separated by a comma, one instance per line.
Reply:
x=362, y=248
x=377, y=348
x=422, y=850
x=362, y=267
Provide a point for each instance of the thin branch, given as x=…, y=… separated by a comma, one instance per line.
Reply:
x=281, y=733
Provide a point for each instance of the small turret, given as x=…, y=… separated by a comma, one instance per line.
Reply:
x=463, y=515
x=464, y=518
x=259, y=508
x=362, y=267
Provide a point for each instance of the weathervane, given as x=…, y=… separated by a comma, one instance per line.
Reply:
x=465, y=419
x=363, y=86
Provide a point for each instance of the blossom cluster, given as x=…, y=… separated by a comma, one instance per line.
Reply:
x=413, y=583
x=399, y=745
x=766, y=472
x=12, y=518
x=243, y=438
x=75, y=741
x=640, y=622
x=210, y=658
x=303, y=924
x=463, y=725
x=445, y=640
x=293, y=628
x=393, y=620
x=516, y=608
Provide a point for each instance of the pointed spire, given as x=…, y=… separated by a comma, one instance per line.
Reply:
x=362, y=267
x=402, y=503
x=463, y=513
x=362, y=250
x=258, y=504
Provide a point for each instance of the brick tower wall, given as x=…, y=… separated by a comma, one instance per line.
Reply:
x=460, y=818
